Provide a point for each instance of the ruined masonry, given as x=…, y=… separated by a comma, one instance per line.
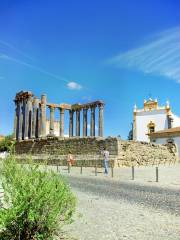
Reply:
x=32, y=139
x=30, y=117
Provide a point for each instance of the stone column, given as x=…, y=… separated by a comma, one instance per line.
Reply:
x=101, y=120
x=19, y=121
x=39, y=122
x=78, y=122
x=85, y=122
x=30, y=120
x=43, y=115
x=15, y=121
x=51, y=129
x=35, y=118
x=71, y=113
x=27, y=122
x=23, y=109
x=61, y=127
x=92, y=131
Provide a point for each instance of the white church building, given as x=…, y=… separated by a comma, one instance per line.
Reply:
x=154, y=123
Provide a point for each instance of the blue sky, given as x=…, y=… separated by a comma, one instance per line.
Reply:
x=78, y=51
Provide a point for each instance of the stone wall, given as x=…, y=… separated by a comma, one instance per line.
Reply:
x=142, y=153
x=87, y=151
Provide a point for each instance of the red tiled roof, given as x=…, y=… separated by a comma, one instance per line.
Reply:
x=166, y=132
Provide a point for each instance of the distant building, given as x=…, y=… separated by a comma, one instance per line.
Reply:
x=56, y=128
x=171, y=135
x=156, y=124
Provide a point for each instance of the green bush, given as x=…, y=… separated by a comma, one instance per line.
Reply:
x=37, y=202
x=7, y=143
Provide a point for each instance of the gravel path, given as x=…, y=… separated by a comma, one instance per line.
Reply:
x=113, y=209
x=121, y=209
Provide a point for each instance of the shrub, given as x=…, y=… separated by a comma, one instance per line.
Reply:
x=7, y=143
x=38, y=202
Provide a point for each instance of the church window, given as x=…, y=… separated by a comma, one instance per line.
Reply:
x=151, y=127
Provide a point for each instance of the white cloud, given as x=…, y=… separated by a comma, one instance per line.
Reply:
x=161, y=56
x=74, y=86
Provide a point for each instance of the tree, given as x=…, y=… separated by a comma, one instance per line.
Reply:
x=130, y=135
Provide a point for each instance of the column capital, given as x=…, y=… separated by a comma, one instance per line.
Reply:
x=101, y=105
x=36, y=101
x=78, y=110
x=61, y=110
x=43, y=98
x=29, y=97
x=51, y=108
x=92, y=107
x=71, y=111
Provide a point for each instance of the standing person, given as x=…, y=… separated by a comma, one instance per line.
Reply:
x=70, y=159
x=106, y=160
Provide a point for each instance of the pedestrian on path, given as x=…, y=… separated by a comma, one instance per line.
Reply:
x=106, y=160
x=70, y=159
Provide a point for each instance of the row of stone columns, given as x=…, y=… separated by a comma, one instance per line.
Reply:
x=30, y=118
x=23, y=116
x=85, y=122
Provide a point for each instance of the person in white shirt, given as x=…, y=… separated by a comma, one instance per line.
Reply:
x=106, y=160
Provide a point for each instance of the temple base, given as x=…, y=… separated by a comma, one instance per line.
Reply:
x=88, y=151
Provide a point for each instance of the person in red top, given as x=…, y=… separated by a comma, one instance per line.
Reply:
x=70, y=159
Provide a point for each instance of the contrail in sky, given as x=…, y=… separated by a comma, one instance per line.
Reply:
x=8, y=58
x=15, y=49
x=161, y=56
x=69, y=84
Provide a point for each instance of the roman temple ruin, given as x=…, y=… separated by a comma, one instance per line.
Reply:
x=31, y=117
x=44, y=143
